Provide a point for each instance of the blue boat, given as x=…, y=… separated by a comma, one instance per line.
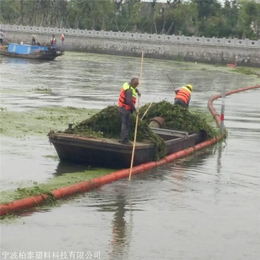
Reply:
x=37, y=52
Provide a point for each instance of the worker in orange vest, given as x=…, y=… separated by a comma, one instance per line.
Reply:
x=33, y=39
x=62, y=38
x=1, y=37
x=126, y=103
x=53, y=41
x=183, y=96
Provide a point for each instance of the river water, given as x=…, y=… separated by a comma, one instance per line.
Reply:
x=205, y=206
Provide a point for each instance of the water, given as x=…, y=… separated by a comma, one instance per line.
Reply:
x=205, y=206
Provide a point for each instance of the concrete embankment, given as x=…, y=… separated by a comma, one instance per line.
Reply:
x=179, y=48
x=35, y=201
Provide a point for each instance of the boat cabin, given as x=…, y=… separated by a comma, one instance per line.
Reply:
x=25, y=49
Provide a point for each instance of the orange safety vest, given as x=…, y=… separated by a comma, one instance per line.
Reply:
x=184, y=94
x=122, y=96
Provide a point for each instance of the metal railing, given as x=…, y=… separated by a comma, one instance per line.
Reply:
x=135, y=36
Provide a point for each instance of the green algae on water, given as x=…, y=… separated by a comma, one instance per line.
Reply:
x=42, y=90
x=53, y=184
x=247, y=71
x=40, y=121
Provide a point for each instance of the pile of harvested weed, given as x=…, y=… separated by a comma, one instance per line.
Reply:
x=107, y=124
x=178, y=118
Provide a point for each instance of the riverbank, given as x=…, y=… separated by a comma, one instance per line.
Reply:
x=172, y=47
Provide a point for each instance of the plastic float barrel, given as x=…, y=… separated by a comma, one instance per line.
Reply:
x=231, y=65
x=157, y=122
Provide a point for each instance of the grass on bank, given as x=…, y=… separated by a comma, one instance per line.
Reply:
x=248, y=71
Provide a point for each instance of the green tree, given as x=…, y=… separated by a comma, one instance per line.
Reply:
x=235, y=18
x=249, y=19
x=9, y=11
x=185, y=19
x=230, y=17
x=92, y=15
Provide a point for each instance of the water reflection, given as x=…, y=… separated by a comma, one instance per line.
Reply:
x=67, y=167
x=219, y=166
x=121, y=230
x=179, y=172
x=24, y=61
x=199, y=157
x=117, y=199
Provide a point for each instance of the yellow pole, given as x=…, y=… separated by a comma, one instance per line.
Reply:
x=147, y=109
x=137, y=118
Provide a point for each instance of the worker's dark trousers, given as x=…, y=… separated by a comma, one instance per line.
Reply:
x=125, y=125
x=180, y=102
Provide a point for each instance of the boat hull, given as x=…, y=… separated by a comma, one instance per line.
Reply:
x=35, y=56
x=99, y=152
x=110, y=153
